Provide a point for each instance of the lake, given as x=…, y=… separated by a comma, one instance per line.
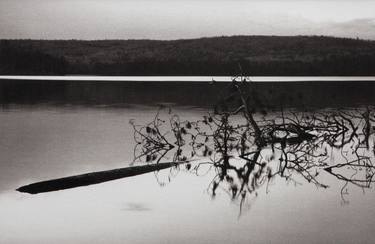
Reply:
x=53, y=127
x=198, y=91
x=186, y=78
x=45, y=141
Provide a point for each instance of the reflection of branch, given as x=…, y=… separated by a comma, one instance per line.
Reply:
x=247, y=154
x=357, y=164
x=151, y=143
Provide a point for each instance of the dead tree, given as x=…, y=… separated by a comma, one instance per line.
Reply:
x=247, y=153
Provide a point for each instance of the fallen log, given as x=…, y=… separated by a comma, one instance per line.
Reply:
x=92, y=178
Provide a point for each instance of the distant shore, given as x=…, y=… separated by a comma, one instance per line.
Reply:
x=219, y=56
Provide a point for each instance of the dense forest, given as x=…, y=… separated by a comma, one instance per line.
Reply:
x=257, y=55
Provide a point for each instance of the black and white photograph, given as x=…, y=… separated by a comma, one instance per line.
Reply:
x=187, y=121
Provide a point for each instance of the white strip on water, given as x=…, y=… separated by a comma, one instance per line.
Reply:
x=188, y=78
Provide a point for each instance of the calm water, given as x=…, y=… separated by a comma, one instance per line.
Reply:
x=187, y=78
x=44, y=142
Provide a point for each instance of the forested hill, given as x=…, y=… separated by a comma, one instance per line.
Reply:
x=257, y=55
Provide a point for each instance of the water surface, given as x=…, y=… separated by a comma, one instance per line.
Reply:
x=187, y=78
x=43, y=142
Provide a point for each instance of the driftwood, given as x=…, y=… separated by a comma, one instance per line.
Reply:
x=92, y=178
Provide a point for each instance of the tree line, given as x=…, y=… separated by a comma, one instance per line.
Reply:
x=256, y=55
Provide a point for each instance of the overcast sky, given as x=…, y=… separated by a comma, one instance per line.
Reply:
x=175, y=19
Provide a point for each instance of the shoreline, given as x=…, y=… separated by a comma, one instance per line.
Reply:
x=185, y=78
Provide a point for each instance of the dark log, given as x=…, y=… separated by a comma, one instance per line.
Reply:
x=92, y=178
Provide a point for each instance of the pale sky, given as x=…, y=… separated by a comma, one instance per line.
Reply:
x=175, y=19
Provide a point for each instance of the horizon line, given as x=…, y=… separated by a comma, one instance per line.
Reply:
x=207, y=78
x=182, y=39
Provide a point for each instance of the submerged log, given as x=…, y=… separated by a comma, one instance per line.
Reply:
x=92, y=178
